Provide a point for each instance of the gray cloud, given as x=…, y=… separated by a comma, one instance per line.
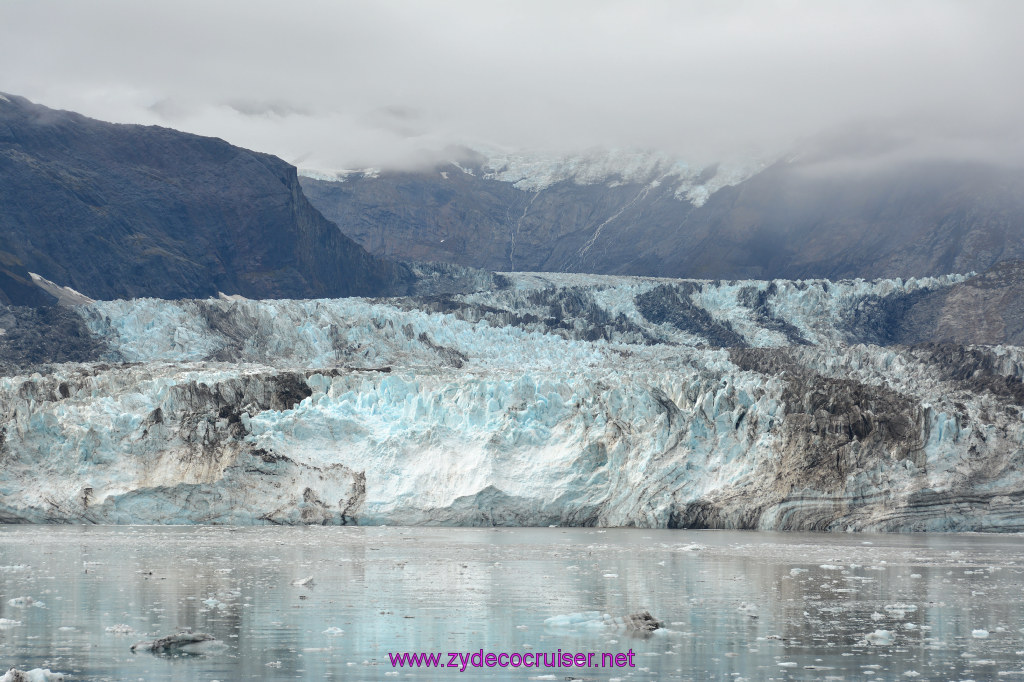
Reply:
x=386, y=82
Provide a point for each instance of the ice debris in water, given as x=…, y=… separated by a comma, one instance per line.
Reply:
x=34, y=675
x=749, y=609
x=333, y=631
x=879, y=637
x=25, y=602
x=304, y=582
x=898, y=611
x=8, y=623
x=979, y=634
x=183, y=642
x=120, y=629
x=692, y=547
x=641, y=621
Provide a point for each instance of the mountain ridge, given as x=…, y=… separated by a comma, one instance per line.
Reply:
x=121, y=210
x=800, y=217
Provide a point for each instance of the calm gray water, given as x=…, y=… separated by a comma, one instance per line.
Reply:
x=754, y=606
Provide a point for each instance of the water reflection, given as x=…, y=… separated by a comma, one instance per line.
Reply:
x=735, y=605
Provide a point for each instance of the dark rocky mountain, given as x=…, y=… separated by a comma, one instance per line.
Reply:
x=16, y=284
x=986, y=309
x=120, y=211
x=796, y=219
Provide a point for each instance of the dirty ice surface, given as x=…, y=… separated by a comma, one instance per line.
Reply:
x=735, y=605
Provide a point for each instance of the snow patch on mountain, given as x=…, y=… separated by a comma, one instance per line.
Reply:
x=534, y=172
x=693, y=183
x=338, y=175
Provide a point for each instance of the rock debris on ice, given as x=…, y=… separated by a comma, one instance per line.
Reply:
x=630, y=402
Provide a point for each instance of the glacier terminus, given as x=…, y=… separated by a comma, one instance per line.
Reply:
x=557, y=399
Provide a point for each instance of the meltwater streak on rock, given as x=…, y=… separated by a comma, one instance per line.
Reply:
x=628, y=214
x=560, y=399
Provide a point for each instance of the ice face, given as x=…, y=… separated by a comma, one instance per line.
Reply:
x=561, y=399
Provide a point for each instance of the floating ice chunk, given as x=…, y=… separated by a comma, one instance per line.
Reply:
x=912, y=673
x=304, y=582
x=183, y=642
x=879, y=637
x=333, y=631
x=34, y=675
x=692, y=547
x=120, y=629
x=797, y=571
x=8, y=623
x=25, y=602
x=749, y=609
x=641, y=621
x=831, y=567
x=979, y=634
x=787, y=664
x=877, y=616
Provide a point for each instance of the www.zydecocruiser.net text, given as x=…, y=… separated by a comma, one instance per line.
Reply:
x=462, y=660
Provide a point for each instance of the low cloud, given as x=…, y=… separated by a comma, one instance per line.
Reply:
x=386, y=83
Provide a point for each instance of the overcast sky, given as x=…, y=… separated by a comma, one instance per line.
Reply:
x=351, y=84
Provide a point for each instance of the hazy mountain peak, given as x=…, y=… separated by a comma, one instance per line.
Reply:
x=535, y=171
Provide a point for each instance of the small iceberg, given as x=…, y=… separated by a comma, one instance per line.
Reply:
x=34, y=675
x=182, y=642
x=641, y=622
x=879, y=637
x=25, y=602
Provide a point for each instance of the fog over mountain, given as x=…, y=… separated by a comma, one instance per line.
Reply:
x=391, y=84
x=727, y=255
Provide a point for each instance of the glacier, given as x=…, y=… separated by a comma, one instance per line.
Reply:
x=559, y=399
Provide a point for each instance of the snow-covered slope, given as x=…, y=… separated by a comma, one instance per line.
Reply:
x=692, y=183
x=534, y=172
x=561, y=399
